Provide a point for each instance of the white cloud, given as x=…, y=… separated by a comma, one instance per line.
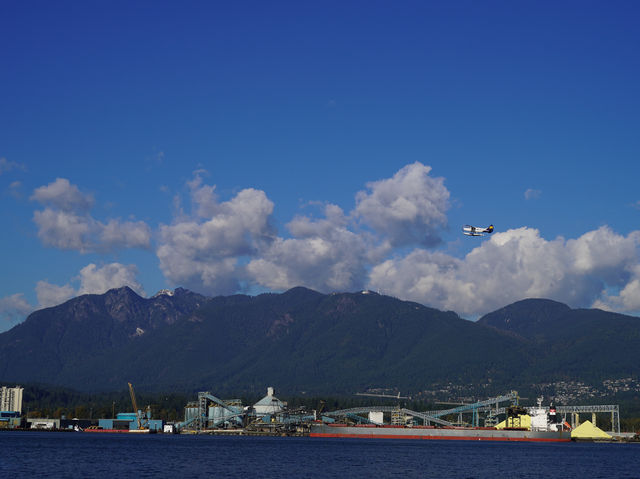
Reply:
x=628, y=297
x=65, y=222
x=98, y=280
x=409, y=208
x=64, y=230
x=63, y=195
x=323, y=255
x=221, y=247
x=51, y=295
x=514, y=265
x=226, y=245
x=532, y=194
x=203, y=196
x=203, y=252
x=335, y=254
x=602, y=253
x=92, y=279
x=14, y=308
x=129, y=234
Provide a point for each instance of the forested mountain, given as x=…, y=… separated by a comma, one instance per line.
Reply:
x=582, y=344
x=302, y=341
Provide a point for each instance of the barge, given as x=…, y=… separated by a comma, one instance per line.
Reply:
x=111, y=430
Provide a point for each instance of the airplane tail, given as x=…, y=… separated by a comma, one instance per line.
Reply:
x=490, y=229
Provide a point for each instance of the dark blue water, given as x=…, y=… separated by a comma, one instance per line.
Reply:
x=42, y=454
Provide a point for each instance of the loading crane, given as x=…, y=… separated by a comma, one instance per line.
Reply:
x=143, y=422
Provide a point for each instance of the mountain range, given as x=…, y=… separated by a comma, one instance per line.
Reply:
x=304, y=342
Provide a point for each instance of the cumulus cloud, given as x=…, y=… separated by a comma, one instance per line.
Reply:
x=14, y=308
x=92, y=279
x=203, y=196
x=409, y=208
x=63, y=195
x=336, y=253
x=385, y=243
x=514, y=265
x=203, y=251
x=64, y=230
x=65, y=222
x=628, y=297
x=128, y=234
x=532, y=194
x=51, y=295
x=323, y=254
x=98, y=280
x=225, y=246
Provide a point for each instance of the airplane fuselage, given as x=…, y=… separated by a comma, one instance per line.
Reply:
x=475, y=231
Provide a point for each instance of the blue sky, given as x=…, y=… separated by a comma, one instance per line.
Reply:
x=255, y=146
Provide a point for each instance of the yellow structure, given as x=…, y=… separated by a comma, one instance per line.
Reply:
x=587, y=430
x=522, y=421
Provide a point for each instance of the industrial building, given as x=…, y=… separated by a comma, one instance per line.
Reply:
x=137, y=421
x=129, y=421
x=212, y=413
x=10, y=420
x=43, y=423
x=268, y=405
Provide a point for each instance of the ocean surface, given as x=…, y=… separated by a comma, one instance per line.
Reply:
x=62, y=454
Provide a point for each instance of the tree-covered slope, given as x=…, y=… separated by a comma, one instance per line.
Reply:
x=304, y=341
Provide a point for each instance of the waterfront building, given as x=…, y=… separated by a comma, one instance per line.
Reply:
x=11, y=399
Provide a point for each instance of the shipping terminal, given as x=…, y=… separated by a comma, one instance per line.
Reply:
x=500, y=418
x=495, y=419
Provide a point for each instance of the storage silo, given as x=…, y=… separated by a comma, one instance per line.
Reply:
x=269, y=405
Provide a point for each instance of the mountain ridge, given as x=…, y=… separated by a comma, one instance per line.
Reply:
x=307, y=341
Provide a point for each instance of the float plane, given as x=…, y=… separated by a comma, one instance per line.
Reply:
x=475, y=231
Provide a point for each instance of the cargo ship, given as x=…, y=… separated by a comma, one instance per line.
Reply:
x=371, y=431
x=541, y=426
